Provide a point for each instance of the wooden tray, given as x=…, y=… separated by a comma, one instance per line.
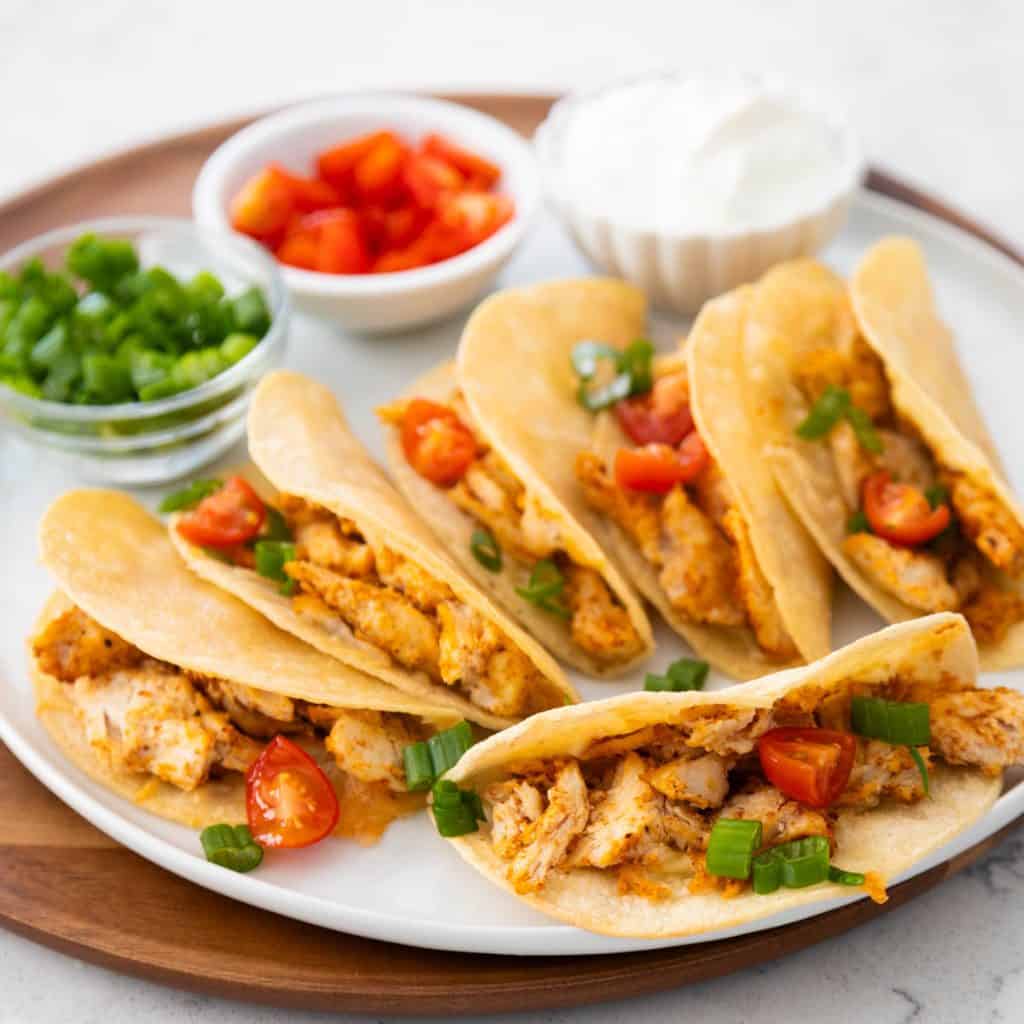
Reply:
x=65, y=884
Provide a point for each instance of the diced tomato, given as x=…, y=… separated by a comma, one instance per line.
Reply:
x=227, y=518
x=300, y=248
x=900, y=512
x=309, y=193
x=657, y=468
x=428, y=178
x=289, y=801
x=643, y=423
x=335, y=165
x=438, y=445
x=263, y=205
x=377, y=176
x=472, y=217
x=471, y=164
x=807, y=764
x=341, y=242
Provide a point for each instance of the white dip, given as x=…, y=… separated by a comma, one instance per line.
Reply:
x=701, y=156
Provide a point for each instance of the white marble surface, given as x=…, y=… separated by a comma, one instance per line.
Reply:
x=934, y=87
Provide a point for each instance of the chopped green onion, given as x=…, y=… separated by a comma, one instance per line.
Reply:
x=636, y=360
x=587, y=355
x=619, y=387
x=842, y=877
x=426, y=762
x=276, y=526
x=731, y=847
x=922, y=767
x=897, y=722
x=766, y=874
x=858, y=523
x=633, y=372
x=189, y=496
x=804, y=861
x=865, y=430
x=486, y=550
x=681, y=675
x=937, y=495
x=289, y=587
x=271, y=558
x=456, y=811
x=545, y=585
x=419, y=769
x=231, y=847
x=826, y=412
x=236, y=346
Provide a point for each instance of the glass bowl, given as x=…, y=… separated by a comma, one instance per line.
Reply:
x=156, y=441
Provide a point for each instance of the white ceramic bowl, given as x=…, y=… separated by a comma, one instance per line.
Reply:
x=377, y=302
x=681, y=271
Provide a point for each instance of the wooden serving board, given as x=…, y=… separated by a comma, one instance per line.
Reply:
x=65, y=884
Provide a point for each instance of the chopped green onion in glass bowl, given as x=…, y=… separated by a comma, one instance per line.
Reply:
x=129, y=346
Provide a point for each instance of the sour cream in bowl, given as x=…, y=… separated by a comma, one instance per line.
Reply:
x=691, y=185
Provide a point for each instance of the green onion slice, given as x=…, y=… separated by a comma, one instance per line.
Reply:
x=231, y=847
x=426, y=762
x=804, y=861
x=636, y=361
x=596, y=399
x=922, y=767
x=897, y=722
x=766, y=874
x=276, y=526
x=865, y=430
x=486, y=550
x=633, y=372
x=456, y=811
x=587, y=356
x=545, y=586
x=271, y=558
x=189, y=497
x=731, y=847
x=858, y=523
x=842, y=877
x=684, y=674
x=419, y=769
x=826, y=412
x=937, y=495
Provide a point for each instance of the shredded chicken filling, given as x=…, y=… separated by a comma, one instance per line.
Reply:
x=698, y=542
x=645, y=802
x=960, y=571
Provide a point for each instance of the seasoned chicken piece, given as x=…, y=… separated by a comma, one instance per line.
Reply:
x=881, y=770
x=987, y=522
x=991, y=612
x=781, y=819
x=624, y=820
x=662, y=741
x=866, y=380
x=698, y=571
x=819, y=369
x=321, y=541
x=150, y=718
x=480, y=494
x=852, y=463
x=755, y=593
x=684, y=828
x=475, y=656
x=370, y=744
x=980, y=728
x=633, y=512
x=422, y=589
x=378, y=615
x=729, y=731
x=547, y=840
x=73, y=645
x=541, y=532
x=515, y=804
x=701, y=781
x=917, y=578
x=598, y=625
x=256, y=712
x=906, y=458
x=968, y=576
x=713, y=494
x=671, y=389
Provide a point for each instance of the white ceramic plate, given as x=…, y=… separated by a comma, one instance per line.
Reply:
x=412, y=888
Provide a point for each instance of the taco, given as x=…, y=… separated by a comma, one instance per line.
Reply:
x=166, y=689
x=694, y=515
x=664, y=814
x=485, y=454
x=884, y=463
x=355, y=573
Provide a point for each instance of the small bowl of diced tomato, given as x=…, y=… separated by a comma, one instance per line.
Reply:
x=383, y=211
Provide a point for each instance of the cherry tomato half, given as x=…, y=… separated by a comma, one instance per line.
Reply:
x=438, y=445
x=900, y=512
x=288, y=800
x=657, y=468
x=225, y=519
x=806, y=764
x=644, y=423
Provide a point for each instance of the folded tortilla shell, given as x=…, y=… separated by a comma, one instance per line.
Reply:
x=300, y=440
x=889, y=839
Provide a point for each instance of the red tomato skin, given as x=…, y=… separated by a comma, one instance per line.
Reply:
x=437, y=444
x=657, y=468
x=814, y=785
x=427, y=178
x=900, y=513
x=377, y=176
x=281, y=755
x=643, y=424
x=335, y=165
x=263, y=206
x=228, y=517
x=469, y=163
x=299, y=249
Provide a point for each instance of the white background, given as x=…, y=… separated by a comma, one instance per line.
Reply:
x=935, y=89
